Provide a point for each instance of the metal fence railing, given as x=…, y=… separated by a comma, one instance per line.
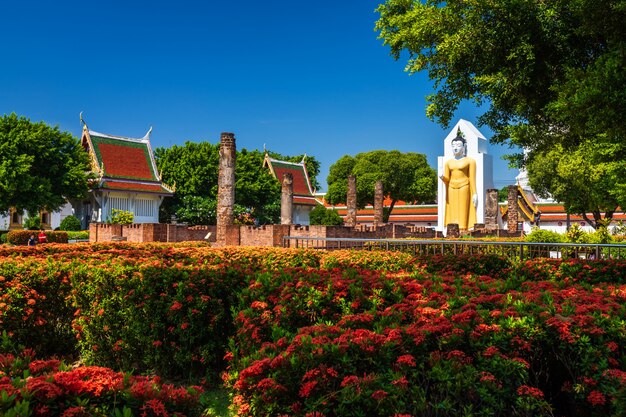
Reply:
x=517, y=250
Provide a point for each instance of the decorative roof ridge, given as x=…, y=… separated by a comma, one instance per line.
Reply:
x=139, y=182
x=299, y=164
x=134, y=181
x=145, y=139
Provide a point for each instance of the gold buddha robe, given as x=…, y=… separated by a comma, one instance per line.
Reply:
x=460, y=179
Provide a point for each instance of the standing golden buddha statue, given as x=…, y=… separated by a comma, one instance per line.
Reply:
x=460, y=179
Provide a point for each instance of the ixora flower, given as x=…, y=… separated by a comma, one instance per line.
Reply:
x=596, y=398
x=526, y=391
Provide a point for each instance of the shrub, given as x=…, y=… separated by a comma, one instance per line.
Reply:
x=544, y=236
x=70, y=223
x=576, y=235
x=20, y=237
x=121, y=217
x=80, y=235
x=32, y=223
x=50, y=387
x=326, y=217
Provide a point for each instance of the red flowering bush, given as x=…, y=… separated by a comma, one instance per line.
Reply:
x=349, y=342
x=35, y=309
x=51, y=388
x=313, y=332
x=169, y=320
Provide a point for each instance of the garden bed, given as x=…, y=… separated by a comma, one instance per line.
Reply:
x=297, y=332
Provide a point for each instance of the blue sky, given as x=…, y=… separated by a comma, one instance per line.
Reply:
x=294, y=76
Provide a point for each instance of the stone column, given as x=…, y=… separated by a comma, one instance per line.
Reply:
x=512, y=214
x=378, y=203
x=351, y=202
x=286, y=199
x=226, y=186
x=491, y=209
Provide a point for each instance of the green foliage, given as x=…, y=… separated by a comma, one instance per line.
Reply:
x=193, y=169
x=121, y=217
x=40, y=166
x=544, y=236
x=405, y=176
x=70, y=223
x=196, y=210
x=551, y=75
x=327, y=217
x=580, y=179
x=553, y=70
x=32, y=222
x=79, y=235
x=503, y=194
x=171, y=320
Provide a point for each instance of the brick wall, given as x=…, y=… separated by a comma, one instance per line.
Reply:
x=149, y=232
x=102, y=232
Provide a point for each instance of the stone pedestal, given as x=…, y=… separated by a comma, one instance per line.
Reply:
x=351, y=202
x=378, y=203
x=286, y=199
x=452, y=231
x=226, y=186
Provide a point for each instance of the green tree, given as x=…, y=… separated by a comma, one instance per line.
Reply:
x=579, y=179
x=40, y=166
x=550, y=75
x=503, y=194
x=405, y=176
x=193, y=170
x=323, y=216
x=547, y=71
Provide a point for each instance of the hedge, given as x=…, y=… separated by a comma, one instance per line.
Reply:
x=20, y=237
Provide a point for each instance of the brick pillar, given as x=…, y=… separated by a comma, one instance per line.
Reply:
x=351, y=202
x=378, y=203
x=512, y=215
x=226, y=186
x=491, y=209
x=286, y=199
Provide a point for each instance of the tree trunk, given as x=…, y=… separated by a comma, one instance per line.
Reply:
x=387, y=211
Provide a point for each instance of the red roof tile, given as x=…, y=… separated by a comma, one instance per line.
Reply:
x=125, y=162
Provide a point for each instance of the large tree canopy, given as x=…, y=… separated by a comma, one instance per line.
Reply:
x=549, y=71
x=193, y=170
x=581, y=180
x=405, y=176
x=40, y=166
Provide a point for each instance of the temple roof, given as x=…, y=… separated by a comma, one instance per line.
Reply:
x=123, y=163
x=302, y=190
